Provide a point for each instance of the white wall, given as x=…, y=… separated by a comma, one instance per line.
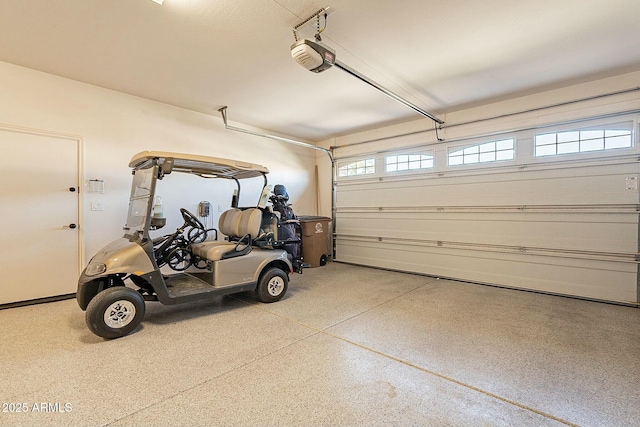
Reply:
x=114, y=126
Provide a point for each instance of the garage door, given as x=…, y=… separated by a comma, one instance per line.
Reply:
x=551, y=209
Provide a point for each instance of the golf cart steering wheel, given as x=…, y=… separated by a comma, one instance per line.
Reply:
x=190, y=219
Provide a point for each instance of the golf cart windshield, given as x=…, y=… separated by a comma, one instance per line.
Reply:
x=140, y=199
x=151, y=165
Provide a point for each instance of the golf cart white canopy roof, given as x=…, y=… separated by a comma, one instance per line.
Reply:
x=205, y=166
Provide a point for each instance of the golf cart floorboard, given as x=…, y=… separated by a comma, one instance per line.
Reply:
x=183, y=284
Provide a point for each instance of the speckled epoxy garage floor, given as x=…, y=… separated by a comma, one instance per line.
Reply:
x=348, y=346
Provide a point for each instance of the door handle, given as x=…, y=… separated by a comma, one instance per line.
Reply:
x=72, y=226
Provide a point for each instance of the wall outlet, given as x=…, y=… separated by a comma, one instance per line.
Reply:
x=97, y=206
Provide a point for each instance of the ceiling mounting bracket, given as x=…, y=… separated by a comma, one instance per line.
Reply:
x=223, y=112
x=325, y=11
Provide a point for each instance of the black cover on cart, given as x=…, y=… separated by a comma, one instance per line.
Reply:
x=285, y=231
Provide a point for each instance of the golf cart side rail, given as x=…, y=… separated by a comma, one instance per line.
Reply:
x=205, y=166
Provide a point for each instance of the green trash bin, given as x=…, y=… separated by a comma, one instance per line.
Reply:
x=317, y=246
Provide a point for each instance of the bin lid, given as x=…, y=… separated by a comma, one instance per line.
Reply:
x=313, y=218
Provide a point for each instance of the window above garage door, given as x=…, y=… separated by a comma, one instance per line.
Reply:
x=493, y=151
x=597, y=138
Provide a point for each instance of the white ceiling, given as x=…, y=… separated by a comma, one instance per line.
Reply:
x=441, y=55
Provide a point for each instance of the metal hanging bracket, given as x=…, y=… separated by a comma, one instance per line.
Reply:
x=325, y=12
x=223, y=112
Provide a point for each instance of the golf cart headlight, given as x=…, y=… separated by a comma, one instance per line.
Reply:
x=95, y=268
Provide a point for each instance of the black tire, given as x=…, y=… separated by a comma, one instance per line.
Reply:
x=115, y=312
x=273, y=285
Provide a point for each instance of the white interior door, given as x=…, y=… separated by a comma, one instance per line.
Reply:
x=38, y=216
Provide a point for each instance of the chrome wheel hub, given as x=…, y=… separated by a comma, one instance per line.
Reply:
x=275, y=286
x=119, y=314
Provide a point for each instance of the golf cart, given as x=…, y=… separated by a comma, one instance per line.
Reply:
x=190, y=264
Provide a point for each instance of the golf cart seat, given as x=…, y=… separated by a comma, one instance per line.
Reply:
x=240, y=227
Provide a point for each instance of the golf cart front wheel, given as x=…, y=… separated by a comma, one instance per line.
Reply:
x=115, y=312
x=272, y=285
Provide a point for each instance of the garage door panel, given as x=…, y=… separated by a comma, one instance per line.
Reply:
x=599, y=185
x=603, y=280
x=587, y=232
x=585, y=191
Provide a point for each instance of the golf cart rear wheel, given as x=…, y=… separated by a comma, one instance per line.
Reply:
x=272, y=285
x=115, y=312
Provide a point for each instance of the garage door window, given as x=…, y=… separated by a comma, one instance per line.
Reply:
x=408, y=162
x=360, y=167
x=481, y=153
x=580, y=141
